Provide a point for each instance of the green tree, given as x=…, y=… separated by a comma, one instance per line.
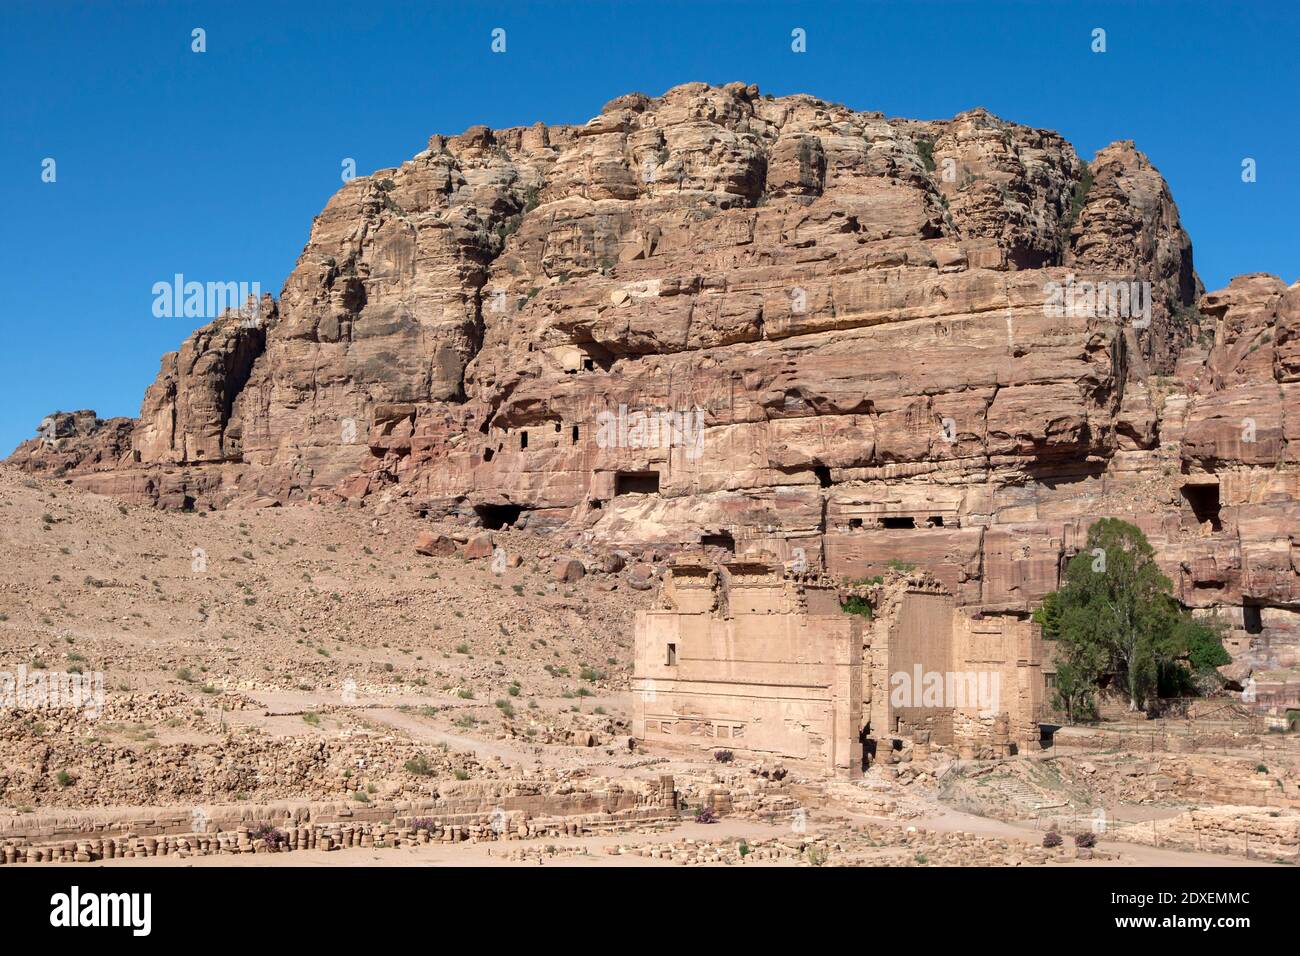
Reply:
x=1079, y=664
x=1196, y=671
x=1115, y=612
x=1076, y=686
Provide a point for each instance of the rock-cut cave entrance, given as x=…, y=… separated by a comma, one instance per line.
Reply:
x=1204, y=502
x=724, y=540
x=636, y=483
x=496, y=517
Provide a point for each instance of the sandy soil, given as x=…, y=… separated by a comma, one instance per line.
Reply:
x=233, y=642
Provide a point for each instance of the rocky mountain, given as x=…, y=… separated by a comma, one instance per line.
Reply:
x=719, y=318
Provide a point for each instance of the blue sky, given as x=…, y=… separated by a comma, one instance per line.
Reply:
x=213, y=164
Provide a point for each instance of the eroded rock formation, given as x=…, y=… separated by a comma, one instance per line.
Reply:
x=772, y=325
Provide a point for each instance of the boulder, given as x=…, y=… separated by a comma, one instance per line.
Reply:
x=434, y=545
x=479, y=546
x=568, y=570
x=611, y=562
x=641, y=577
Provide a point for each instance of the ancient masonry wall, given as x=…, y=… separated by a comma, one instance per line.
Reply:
x=750, y=656
x=917, y=641
x=768, y=670
x=1011, y=647
x=991, y=667
x=87, y=836
x=1239, y=830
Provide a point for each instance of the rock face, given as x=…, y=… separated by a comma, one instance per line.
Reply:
x=713, y=317
x=1128, y=226
x=188, y=415
x=77, y=442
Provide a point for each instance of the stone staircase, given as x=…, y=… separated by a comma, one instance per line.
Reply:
x=1020, y=794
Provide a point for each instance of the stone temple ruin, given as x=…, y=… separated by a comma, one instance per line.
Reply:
x=748, y=655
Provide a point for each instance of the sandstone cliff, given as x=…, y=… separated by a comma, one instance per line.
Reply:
x=764, y=324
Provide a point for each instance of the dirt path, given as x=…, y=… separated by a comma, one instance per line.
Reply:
x=1132, y=854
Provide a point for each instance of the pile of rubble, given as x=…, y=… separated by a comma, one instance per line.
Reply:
x=806, y=851
x=59, y=770
x=863, y=846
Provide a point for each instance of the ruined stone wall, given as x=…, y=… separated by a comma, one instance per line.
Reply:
x=746, y=667
x=1239, y=830
x=1011, y=647
x=746, y=656
x=919, y=643
x=478, y=811
x=938, y=673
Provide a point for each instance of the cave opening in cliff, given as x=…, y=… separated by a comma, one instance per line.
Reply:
x=1204, y=502
x=636, y=483
x=823, y=474
x=595, y=357
x=1251, y=619
x=723, y=540
x=496, y=517
x=523, y=440
x=898, y=522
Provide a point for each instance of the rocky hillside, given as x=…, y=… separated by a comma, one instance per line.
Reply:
x=757, y=323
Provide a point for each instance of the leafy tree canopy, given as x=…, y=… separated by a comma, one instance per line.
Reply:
x=1115, y=613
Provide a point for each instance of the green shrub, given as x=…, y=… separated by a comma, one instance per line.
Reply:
x=856, y=605
x=419, y=765
x=925, y=149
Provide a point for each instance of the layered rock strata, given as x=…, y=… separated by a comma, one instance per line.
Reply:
x=771, y=325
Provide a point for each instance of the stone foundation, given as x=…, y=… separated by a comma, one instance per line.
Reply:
x=186, y=831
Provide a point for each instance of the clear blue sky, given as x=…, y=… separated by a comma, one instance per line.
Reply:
x=214, y=164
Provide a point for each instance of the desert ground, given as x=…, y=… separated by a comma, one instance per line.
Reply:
x=298, y=686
